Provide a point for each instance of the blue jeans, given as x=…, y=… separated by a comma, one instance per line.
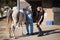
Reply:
x=31, y=26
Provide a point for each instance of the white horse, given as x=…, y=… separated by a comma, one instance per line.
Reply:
x=16, y=18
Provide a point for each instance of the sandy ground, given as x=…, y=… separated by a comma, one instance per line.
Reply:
x=50, y=32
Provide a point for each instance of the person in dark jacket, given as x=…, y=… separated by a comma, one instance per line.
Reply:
x=40, y=18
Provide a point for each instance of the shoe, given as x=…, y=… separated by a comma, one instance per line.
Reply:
x=27, y=34
x=31, y=34
x=40, y=35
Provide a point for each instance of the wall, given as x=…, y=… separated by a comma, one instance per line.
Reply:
x=56, y=15
x=53, y=14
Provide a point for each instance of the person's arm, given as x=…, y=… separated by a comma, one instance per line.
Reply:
x=40, y=18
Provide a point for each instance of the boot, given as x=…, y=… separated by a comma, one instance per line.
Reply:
x=40, y=31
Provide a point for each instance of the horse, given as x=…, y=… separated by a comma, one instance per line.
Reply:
x=15, y=18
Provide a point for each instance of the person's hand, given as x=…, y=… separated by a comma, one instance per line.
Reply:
x=38, y=23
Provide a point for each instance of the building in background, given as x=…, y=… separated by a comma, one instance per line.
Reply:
x=51, y=7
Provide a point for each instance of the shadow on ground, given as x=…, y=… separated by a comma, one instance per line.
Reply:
x=6, y=39
x=47, y=32
x=2, y=18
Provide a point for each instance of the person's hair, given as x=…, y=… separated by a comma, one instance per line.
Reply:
x=40, y=8
x=24, y=9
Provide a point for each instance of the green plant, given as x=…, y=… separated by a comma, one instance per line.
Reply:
x=1, y=12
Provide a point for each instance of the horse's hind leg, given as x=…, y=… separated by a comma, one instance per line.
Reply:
x=11, y=31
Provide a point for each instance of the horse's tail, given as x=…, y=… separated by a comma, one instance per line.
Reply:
x=9, y=16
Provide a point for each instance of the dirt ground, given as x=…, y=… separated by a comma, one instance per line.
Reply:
x=50, y=32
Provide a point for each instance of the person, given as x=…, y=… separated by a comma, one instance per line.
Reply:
x=29, y=21
x=40, y=18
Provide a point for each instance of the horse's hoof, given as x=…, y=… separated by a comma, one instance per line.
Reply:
x=13, y=37
x=10, y=36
